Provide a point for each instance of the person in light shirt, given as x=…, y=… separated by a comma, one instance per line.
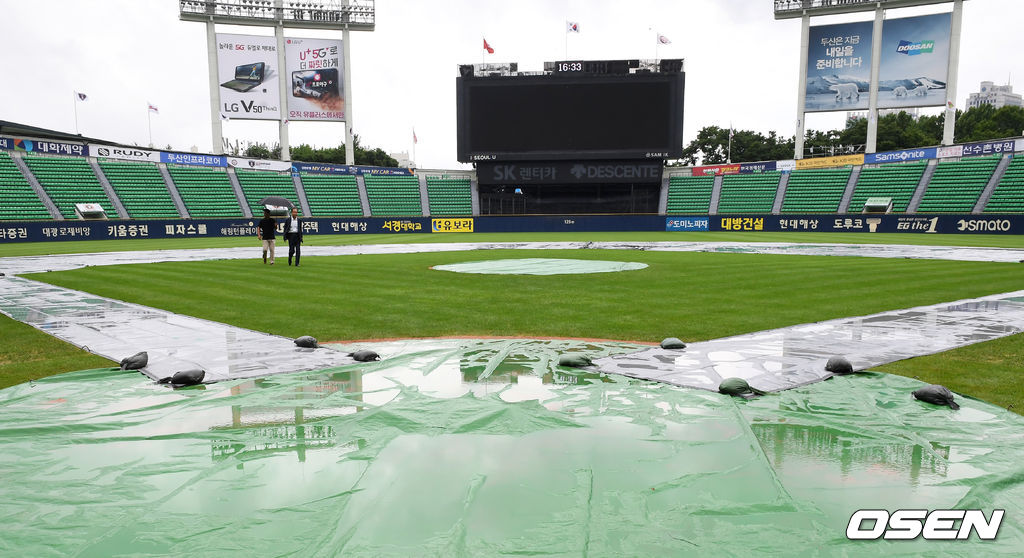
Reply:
x=293, y=234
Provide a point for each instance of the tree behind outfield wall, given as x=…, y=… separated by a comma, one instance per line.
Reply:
x=336, y=155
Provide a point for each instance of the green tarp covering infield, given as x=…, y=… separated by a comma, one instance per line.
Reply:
x=488, y=448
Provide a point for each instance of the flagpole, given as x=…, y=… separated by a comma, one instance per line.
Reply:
x=75, y=104
x=728, y=157
x=149, y=120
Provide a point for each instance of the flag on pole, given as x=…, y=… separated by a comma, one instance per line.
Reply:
x=81, y=96
x=414, y=139
x=663, y=40
x=152, y=108
x=572, y=27
x=488, y=48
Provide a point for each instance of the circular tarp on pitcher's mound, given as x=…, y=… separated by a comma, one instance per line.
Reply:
x=540, y=266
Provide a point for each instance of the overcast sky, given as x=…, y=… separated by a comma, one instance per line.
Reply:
x=741, y=64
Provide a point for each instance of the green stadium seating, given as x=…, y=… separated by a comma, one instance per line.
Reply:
x=257, y=185
x=449, y=196
x=1008, y=196
x=206, y=192
x=897, y=181
x=956, y=185
x=331, y=195
x=141, y=188
x=69, y=180
x=748, y=193
x=19, y=199
x=815, y=191
x=394, y=196
x=689, y=194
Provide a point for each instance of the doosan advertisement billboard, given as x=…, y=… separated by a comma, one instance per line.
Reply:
x=838, y=67
x=247, y=72
x=316, y=76
x=915, y=61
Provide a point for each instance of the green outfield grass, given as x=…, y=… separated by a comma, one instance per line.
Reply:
x=694, y=296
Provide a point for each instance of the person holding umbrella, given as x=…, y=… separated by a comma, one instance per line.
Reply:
x=293, y=234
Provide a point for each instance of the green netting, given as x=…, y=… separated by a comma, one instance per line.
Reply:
x=488, y=448
x=540, y=266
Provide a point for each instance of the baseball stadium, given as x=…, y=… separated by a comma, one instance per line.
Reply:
x=571, y=343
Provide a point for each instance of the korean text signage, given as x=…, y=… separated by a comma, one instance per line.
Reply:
x=715, y=170
x=838, y=67
x=987, y=148
x=899, y=156
x=196, y=159
x=569, y=172
x=452, y=225
x=686, y=223
x=316, y=89
x=915, y=60
x=6, y=143
x=940, y=224
x=824, y=162
x=248, y=75
x=49, y=147
x=766, y=166
x=327, y=168
x=126, y=153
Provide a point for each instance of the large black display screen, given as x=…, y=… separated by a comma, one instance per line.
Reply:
x=570, y=117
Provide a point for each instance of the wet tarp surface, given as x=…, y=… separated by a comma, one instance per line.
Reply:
x=116, y=329
x=787, y=357
x=488, y=448
x=540, y=266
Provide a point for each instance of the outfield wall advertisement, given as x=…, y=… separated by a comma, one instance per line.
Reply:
x=125, y=153
x=316, y=74
x=248, y=75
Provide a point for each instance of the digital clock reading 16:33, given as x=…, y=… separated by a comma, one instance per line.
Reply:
x=570, y=66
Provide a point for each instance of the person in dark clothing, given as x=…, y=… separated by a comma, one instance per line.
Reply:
x=266, y=233
x=293, y=234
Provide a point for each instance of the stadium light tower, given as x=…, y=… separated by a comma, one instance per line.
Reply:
x=344, y=15
x=805, y=9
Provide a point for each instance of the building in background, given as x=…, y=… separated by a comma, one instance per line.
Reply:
x=998, y=96
x=403, y=159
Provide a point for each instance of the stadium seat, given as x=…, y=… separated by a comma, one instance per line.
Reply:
x=257, y=185
x=19, y=199
x=69, y=180
x=206, y=192
x=748, y=193
x=449, y=196
x=394, y=196
x=956, y=185
x=689, y=195
x=332, y=195
x=815, y=191
x=141, y=189
x=897, y=181
x=1008, y=196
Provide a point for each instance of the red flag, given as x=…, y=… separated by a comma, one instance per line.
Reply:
x=414, y=139
x=488, y=48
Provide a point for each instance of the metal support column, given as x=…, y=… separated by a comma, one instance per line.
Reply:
x=805, y=39
x=211, y=60
x=876, y=60
x=346, y=50
x=948, y=126
x=284, y=82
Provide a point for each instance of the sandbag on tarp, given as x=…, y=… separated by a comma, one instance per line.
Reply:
x=184, y=378
x=839, y=365
x=307, y=342
x=136, y=361
x=574, y=361
x=672, y=343
x=737, y=387
x=936, y=395
x=365, y=355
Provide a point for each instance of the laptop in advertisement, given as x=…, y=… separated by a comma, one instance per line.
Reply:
x=247, y=76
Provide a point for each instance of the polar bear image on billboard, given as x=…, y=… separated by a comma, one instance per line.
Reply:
x=846, y=91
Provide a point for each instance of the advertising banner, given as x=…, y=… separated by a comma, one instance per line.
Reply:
x=259, y=164
x=126, y=153
x=195, y=159
x=1019, y=146
x=687, y=223
x=987, y=148
x=899, y=156
x=328, y=168
x=248, y=75
x=825, y=162
x=571, y=172
x=315, y=75
x=6, y=143
x=940, y=224
x=457, y=225
x=50, y=147
x=949, y=151
x=838, y=67
x=766, y=166
x=785, y=166
x=915, y=60
x=715, y=170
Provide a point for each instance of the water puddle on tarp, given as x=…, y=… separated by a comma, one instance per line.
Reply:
x=488, y=448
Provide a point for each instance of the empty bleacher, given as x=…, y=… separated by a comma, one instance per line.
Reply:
x=257, y=185
x=1008, y=196
x=748, y=193
x=69, y=180
x=689, y=194
x=206, y=192
x=956, y=185
x=815, y=190
x=449, y=196
x=19, y=199
x=896, y=181
x=393, y=196
x=141, y=189
x=331, y=195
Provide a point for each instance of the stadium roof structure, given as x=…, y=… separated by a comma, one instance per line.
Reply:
x=16, y=129
x=357, y=15
x=789, y=9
